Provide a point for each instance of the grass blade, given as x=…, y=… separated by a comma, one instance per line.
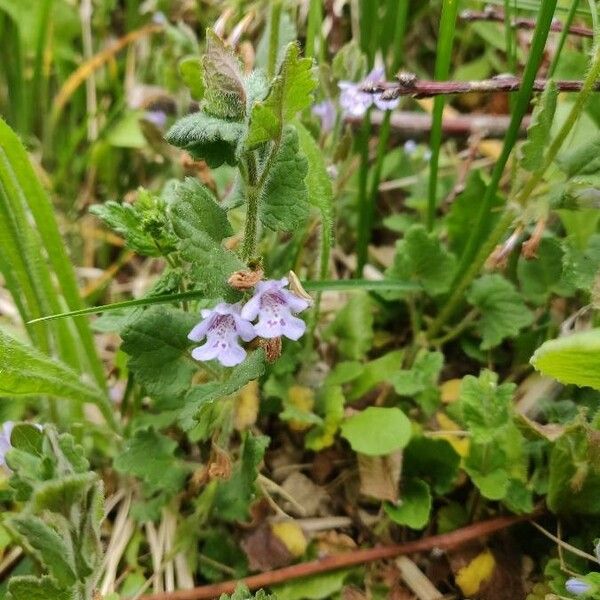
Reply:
x=442, y=69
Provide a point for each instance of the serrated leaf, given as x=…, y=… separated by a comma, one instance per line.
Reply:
x=541, y=276
x=190, y=69
x=414, y=506
x=503, y=312
x=225, y=92
x=200, y=224
x=150, y=456
x=391, y=424
x=331, y=401
x=57, y=494
x=485, y=405
x=486, y=466
x=28, y=587
x=421, y=258
x=47, y=546
x=366, y=377
x=538, y=133
x=284, y=202
x=571, y=359
x=320, y=190
x=207, y=138
x=462, y=216
x=423, y=374
x=581, y=266
x=235, y=495
x=159, y=349
x=125, y=220
x=206, y=394
x=574, y=479
x=353, y=327
x=291, y=92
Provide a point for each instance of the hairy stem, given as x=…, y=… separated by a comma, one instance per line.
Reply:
x=275, y=20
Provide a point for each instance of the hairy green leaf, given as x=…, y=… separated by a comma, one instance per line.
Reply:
x=421, y=258
x=209, y=138
x=28, y=587
x=486, y=405
x=581, y=266
x=503, y=312
x=538, y=133
x=353, y=327
x=150, y=456
x=486, y=466
x=582, y=164
x=433, y=460
x=284, y=202
x=235, y=495
x=291, y=92
x=225, y=92
x=315, y=587
x=159, y=349
x=391, y=424
x=190, y=70
x=366, y=377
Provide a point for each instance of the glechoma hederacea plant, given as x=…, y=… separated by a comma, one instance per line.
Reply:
x=402, y=404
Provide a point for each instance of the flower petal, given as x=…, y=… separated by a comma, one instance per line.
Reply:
x=295, y=303
x=293, y=327
x=233, y=354
x=208, y=351
x=251, y=308
x=244, y=328
x=268, y=328
x=200, y=330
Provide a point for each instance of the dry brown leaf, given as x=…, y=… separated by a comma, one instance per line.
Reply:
x=380, y=476
x=265, y=551
x=311, y=497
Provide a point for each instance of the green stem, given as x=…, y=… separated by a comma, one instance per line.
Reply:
x=442, y=69
x=521, y=105
x=313, y=31
x=563, y=37
x=251, y=227
x=588, y=86
x=456, y=330
x=364, y=210
x=274, y=21
x=458, y=292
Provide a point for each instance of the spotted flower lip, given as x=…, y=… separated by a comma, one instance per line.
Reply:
x=577, y=586
x=221, y=326
x=274, y=305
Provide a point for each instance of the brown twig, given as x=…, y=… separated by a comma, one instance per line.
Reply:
x=410, y=124
x=444, y=541
x=492, y=14
x=409, y=84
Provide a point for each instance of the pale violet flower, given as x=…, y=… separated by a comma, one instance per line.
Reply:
x=326, y=112
x=410, y=147
x=355, y=102
x=156, y=117
x=577, y=586
x=274, y=305
x=221, y=327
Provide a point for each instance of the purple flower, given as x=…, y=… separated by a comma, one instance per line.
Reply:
x=355, y=102
x=273, y=305
x=156, y=117
x=577, y=586
x=221, y=326
x=326, y=112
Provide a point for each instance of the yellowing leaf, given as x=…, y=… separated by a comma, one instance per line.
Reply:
x=303, y=400
x=291, y=534
x=460, y=444
x=449, y=390
x=246, y=406
x=478, y=571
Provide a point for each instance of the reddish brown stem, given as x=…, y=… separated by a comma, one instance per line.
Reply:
x=444, y=541
x=491, y=14
x=409, y=85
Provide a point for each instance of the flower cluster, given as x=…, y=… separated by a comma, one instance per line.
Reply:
x=273, y=306
x=355, y=101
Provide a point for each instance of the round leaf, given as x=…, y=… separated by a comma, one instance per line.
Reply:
x=414, y=507
x=377, y=431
